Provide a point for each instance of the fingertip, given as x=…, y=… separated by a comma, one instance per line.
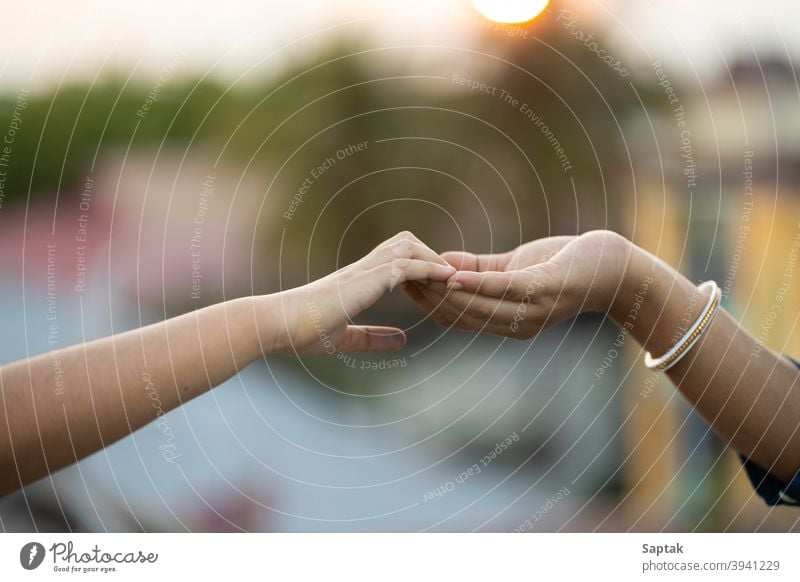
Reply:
x=460, y=277
x=444, y=272
x=393, y=342
x=458, y=259
x=466, y=280
x=391, y=338
x=401, y=340
x=452, y=257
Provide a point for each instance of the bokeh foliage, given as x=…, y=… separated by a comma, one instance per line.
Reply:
x=481, y=172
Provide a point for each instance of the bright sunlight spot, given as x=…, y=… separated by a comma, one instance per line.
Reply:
x=510, y=11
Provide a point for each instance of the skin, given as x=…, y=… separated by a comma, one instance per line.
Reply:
x=111, y=386
x=749, y=394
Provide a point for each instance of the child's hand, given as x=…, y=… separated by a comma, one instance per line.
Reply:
x=314, y=319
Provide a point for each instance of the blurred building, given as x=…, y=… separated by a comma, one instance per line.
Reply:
x=722, y=202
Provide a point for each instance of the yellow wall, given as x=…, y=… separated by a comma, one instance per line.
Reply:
x=651, y=441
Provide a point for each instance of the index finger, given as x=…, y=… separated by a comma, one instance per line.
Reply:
x=514, y=285
x=464, y=261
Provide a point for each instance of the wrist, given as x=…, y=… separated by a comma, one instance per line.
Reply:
x=270, y=326
x=655, y=303
x=635, y=274
x=614, y=273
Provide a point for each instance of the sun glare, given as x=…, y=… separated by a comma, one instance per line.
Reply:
x=510, y=11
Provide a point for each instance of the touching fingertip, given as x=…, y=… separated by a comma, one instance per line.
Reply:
x=398, y=341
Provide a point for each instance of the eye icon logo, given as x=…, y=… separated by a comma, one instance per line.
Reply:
x=31, y=555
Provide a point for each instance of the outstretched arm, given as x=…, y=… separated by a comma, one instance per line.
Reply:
x=748, y=393
x=110, y=387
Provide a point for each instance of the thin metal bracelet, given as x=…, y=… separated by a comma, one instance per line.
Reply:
x=690, y=338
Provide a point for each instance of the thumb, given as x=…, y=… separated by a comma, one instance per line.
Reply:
x=371, y=338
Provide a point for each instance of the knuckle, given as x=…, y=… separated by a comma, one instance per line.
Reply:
x=606, y=237
x=406, y=235
x=403, y=248
x=418, y=247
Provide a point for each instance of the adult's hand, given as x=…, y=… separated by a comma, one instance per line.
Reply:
x=519, y=293
x=747, y=392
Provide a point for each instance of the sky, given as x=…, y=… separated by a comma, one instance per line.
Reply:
x=46, y=41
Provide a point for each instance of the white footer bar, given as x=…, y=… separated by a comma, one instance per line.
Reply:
x=406, y=557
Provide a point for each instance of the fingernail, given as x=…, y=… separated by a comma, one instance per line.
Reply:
x=455, y=285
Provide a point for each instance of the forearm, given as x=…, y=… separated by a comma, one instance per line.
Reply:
x=748, y=393
x=108, y=388
x=112, y=386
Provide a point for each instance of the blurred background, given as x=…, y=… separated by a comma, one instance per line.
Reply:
x=160, y=157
